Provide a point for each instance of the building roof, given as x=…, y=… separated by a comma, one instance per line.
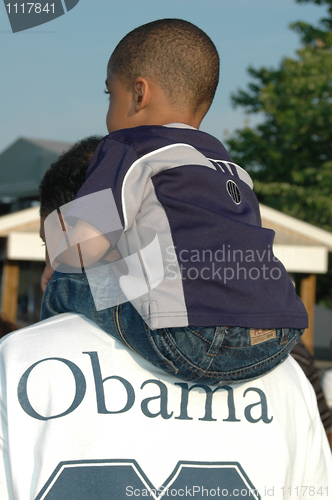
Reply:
x=300, y=246
x=291, y=230
x=24, y=163
x=25, y=220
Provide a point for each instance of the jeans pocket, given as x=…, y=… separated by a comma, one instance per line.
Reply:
x=190, y=349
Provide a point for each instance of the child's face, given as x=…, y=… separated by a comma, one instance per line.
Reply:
x=120, y=112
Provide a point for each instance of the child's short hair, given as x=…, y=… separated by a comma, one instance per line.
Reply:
x=177, y=54
x=65, y=177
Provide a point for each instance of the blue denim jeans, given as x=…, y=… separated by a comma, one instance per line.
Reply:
x=211, y=355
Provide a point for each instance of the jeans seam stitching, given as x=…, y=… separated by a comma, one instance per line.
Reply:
x=196, y=370
x=160, y=355
x=119, y=328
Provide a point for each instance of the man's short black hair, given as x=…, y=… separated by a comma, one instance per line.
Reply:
x=177, y=54
x=64, y=178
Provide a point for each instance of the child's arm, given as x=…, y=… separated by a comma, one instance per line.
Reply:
x=48, y=271
x=46, y=276
x=81, y=246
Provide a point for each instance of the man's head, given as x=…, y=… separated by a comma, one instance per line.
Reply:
x=65, y=177
x=60, y=185
x=168, y=63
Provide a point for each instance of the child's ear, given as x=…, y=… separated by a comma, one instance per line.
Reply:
x=142, y=93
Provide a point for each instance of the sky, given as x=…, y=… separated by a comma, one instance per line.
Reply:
x=52, y=76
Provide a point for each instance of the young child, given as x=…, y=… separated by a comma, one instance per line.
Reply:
x=223, y=309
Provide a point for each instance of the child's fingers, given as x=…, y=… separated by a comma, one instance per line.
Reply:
x=46, y=276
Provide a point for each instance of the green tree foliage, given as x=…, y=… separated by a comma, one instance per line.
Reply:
x=289, y=154
x=323, y=32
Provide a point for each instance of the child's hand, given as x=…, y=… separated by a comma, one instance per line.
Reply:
x=46, y=276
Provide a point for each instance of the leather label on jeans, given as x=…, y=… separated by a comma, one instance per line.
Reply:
x=258, y=335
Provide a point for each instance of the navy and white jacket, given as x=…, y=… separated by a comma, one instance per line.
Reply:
x=180, y=184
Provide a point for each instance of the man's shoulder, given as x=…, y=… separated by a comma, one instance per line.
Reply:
x=62, y=323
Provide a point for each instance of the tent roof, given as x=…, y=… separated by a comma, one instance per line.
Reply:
x=25, y=220
x=24, y=163
x=290, y=230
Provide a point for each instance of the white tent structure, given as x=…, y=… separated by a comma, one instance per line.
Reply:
x=22, y=167
x=302, y=248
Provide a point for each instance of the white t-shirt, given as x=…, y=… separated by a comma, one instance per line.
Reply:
x=84, y=418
